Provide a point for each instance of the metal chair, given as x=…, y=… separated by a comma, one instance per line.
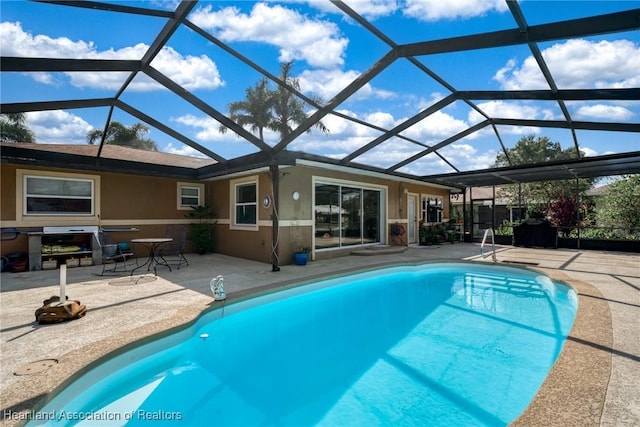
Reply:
x=113, y=253
x=172, y=253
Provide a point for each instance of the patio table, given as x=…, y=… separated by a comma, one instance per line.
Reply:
x=152, y=244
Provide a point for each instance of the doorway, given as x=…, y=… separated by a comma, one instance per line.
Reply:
x=412, y=214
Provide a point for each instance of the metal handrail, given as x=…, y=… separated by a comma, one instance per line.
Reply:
x=493, y=245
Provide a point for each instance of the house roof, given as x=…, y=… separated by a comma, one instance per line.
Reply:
x=113, y=158
x=399, y=148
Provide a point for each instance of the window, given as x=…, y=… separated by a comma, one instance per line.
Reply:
x=431, y=209
x=48, y=195
x=245, y=203
x=189, y=195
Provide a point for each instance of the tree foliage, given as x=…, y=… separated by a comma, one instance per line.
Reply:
x=288, y=110
x=539, y=196
x=274, y=109
x=127, y=136
x=532, y=150
x=255, y=111
x=13, y=128
x=617, y=212
x=563, y=212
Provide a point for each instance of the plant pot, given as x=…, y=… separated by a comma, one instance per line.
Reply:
x=500, y=239
x=301, y=258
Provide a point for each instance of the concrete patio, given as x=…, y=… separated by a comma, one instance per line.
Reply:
x=596, y=380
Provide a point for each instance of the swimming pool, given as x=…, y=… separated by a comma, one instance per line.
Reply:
x=436, y=344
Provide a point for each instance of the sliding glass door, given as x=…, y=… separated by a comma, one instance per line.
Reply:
x=346, y=215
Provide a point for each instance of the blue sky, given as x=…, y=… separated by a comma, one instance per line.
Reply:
x=329, y=51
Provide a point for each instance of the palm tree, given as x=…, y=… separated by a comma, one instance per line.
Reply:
x=127, y=136
x=13, y=128
x=255, y=111
x=278, y=110
x=289, y=110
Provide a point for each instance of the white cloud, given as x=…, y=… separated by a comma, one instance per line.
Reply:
x=528, y=76
x=427, y=165
x=389, y=153
x=589, y=152
x=467, y=157
x=339, y=127
x=16, y=42
x=191, y=72
x=328, y=83
x=505, y=110
x=45, y=78
x=372, y=9
x=381, y=119
x=346, y=136
x=166, y=4
x=433, y=10
x=424, y=103
x=607, y=112
x=461, y=155
x=58, y=126
x=511, y=110
x=206, y=128
x=330, y=145
x=183, y=150
x=435, y=127
x=298, y=37
x=577, y=64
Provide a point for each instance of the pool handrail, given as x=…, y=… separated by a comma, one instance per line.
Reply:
x=493, y=245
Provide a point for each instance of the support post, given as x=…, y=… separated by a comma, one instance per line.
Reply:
x=275, y=225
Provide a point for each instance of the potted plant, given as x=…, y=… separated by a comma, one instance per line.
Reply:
x=201, y=232
x=422, y=233
x=428, y=235
x=504, y=233
x=301, y=256
x=301, y=252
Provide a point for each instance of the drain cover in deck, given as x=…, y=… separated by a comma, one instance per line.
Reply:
x=36, y=367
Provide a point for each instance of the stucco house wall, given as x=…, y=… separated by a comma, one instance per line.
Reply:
x=296, y=217
x=148, y=204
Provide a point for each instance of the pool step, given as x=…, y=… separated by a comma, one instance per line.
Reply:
x=379, y=250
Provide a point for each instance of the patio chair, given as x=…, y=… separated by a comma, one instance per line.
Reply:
x=172, y=253
x=113, y=254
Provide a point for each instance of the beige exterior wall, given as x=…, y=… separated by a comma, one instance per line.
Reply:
x=150, y=203
x=145, y=203
x=296, y=217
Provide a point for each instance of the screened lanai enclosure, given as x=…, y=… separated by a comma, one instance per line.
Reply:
x=415, y=90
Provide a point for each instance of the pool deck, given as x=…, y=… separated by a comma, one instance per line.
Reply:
x=595, y=382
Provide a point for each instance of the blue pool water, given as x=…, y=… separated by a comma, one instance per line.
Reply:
x=440, y=344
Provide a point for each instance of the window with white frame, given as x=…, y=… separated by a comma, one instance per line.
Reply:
x=431, y=209
x=52, y=195
x=245, y=203
x=190, y=195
